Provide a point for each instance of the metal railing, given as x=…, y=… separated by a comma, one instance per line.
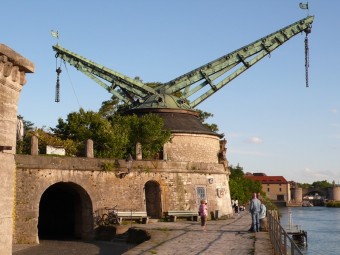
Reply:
x=282, y=243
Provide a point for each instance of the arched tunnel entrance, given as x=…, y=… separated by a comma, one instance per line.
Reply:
x=65, y=212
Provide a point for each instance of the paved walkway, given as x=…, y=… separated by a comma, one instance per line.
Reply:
x=226, y=237
x=222, y=237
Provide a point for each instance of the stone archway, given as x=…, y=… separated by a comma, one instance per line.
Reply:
x=153, y=199
x=65, y=212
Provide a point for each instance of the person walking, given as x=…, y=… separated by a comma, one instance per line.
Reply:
x=255, y=208
x=263, y=210
x=203, y=212
x=236, y=206
x=263, y=217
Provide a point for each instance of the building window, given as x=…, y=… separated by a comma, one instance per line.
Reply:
x=280, y=189
x=268, y=189
x=201, y=194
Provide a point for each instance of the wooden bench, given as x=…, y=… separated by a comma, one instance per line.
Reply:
x=139, y=216
x=173, y=215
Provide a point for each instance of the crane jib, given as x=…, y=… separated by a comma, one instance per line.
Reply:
x=192, y=87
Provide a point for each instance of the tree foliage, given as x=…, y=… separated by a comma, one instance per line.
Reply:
x=316, y=184
x=204, y=116
x=321, y=184
x=242, y=188
x=24, y=146
x=148, y=130
x=114, y=136
x=45, y=138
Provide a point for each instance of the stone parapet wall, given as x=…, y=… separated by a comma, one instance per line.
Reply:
x=177, y=180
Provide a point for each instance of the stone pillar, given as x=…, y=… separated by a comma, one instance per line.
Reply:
x=34, y=146
x=89, y=149
x=139, y=154
x=13, y=69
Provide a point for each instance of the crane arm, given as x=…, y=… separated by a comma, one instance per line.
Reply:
x=227, y=65
x=132, y=88
x=195, y=86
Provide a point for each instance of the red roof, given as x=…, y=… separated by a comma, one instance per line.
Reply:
x=268, y=179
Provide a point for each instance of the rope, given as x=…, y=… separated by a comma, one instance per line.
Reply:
x=74, y=92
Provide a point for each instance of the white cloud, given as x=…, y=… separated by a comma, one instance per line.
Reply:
x=320, y=175
x=255, y=140
x=334, y=110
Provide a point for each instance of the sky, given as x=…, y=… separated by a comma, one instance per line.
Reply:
x=272, y=123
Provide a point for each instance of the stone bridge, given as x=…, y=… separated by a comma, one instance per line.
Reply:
x=332, y=193
x=323, y=192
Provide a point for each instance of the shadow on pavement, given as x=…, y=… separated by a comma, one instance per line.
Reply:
x=70, y=247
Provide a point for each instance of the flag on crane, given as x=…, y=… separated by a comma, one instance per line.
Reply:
x=303, y=6
x=55, y=34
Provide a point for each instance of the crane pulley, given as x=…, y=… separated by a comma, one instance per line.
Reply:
x=191, y=88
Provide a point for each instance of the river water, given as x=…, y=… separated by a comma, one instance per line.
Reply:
x=322, y=225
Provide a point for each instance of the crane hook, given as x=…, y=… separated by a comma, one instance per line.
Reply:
x=57, y=88
x=307, y=31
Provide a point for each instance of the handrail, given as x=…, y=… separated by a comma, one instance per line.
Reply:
x=283, y=244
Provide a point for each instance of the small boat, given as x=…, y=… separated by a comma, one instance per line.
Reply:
x=307, y=204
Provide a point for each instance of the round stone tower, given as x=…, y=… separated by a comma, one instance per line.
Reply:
x=335, y=191
x=191, y=140
x=297, y=196
x=13, y=68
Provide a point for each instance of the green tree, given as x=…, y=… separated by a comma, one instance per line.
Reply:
x=150, y=132
x=304, y=185
x=83, y=125
x=203, y=116
x=321, y=184
x=242, y=188
x=115, y=136
x=24, y=146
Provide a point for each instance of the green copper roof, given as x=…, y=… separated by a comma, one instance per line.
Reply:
x=164, y=101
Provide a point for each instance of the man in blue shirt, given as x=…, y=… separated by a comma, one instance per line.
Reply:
x=255, y=208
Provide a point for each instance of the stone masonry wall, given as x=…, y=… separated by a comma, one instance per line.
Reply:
x=12, y=77
x=193, y=147
x=178, y=182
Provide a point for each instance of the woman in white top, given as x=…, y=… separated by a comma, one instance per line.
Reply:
x=263, y=210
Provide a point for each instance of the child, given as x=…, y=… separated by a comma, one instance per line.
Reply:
x=203, y=211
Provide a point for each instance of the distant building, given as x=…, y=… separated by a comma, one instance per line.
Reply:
x=277, y=188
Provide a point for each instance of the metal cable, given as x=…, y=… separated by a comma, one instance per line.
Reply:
x=74, y=92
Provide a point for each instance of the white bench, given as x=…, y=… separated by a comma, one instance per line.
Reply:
x=139, y=216
x=173, y=215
